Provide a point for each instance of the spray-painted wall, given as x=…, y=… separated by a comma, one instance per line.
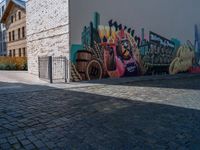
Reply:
x=133, y=38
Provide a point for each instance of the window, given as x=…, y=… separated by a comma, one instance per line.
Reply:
x=15, y=17
x=23, y=32
x=19, y=33
x=4, y=46
x=19, y=15
x=20, y=52
x=11, y=19
x=10, y=37
x=4, y=35
x=13, y=52
x=10, y=53
x=2, y=9
x=13, y=35
x=24, y=52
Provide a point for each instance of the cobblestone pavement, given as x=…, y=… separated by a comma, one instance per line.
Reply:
x=139, y=115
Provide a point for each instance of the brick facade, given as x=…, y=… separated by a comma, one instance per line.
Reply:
x=47, y=30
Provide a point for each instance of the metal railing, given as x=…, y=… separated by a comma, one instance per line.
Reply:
x=53, y=69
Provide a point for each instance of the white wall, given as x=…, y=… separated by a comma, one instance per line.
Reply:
x=47, y=30
x=170, y=18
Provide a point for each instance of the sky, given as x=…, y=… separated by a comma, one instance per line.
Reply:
x=169, y=18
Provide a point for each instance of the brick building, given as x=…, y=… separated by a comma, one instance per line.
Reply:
x=14, y=19
x=47, y=30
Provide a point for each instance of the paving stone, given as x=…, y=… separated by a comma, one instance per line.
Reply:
x=3, y=140
x=32, y=138
x=39, y=144
x=21, y=136
x=143, y=115
x=29, y=147
x=17, y=146
x=43, y=148
x=25, y=142
x=12, y=140
x=5, y=146
x=50, y=145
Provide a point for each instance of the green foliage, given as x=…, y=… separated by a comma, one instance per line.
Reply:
x=13, y=63
x=8, y=67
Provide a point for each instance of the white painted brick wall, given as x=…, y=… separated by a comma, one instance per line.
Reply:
x=47, y=30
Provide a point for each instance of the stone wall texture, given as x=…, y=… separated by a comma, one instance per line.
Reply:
x=47, y=30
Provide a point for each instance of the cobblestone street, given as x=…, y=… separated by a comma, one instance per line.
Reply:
x=139, y=115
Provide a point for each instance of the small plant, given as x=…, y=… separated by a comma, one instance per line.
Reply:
x=13, y=63
x=2, y=66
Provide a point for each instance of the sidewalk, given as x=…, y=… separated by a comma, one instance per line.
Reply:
x=19, y=77
x=161, y=114
x=22, y=81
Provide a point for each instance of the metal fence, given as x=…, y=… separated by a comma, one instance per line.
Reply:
x=53, y=69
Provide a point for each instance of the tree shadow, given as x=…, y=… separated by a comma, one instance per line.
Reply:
x=68, y=119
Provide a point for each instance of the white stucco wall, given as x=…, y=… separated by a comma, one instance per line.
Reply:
x=47, y=30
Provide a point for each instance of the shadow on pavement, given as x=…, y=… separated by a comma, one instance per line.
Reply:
x=66, y=119
x=182, y=81
x=187, y=83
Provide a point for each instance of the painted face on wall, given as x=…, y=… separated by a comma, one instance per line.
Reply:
x=126, y=49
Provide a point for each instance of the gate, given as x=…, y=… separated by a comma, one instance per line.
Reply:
x=53, y=69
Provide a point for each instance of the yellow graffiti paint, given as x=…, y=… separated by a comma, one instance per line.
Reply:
x=183, y=61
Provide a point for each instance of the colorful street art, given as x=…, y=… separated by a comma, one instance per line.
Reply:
x=196, y=63
x=183, y=61
x=159, y=54
x=197, y=43
x=119, y=52
x=115, y=51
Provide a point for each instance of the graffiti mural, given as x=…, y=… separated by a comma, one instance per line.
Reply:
x=183, y=61
x=159, y=54
x=197, y=43
x=119, y=52
x=114, y=50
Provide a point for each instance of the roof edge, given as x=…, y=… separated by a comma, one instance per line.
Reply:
x=18, y=3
